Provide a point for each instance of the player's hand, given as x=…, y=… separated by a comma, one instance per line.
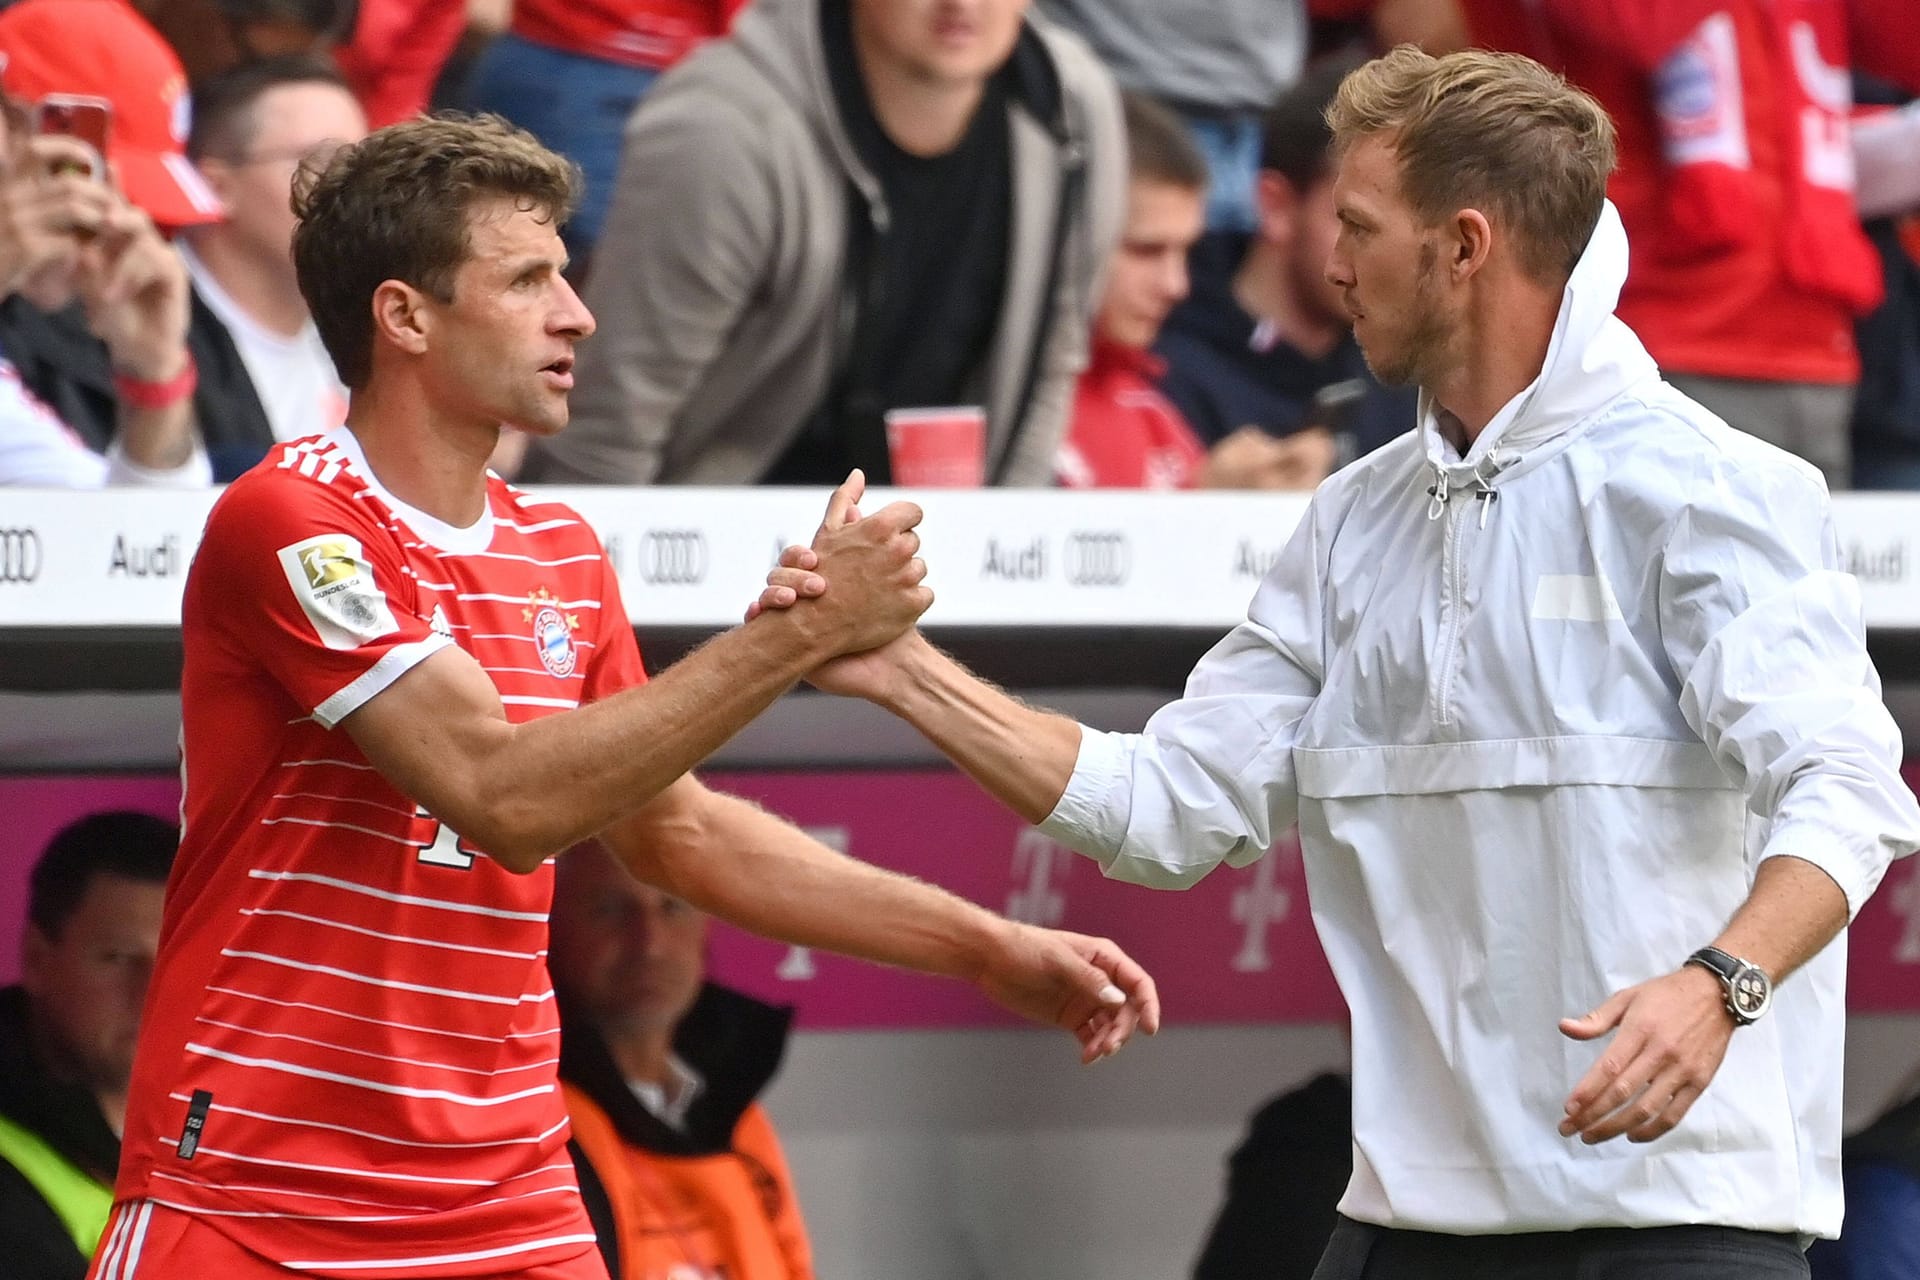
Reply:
x=1672, y=1034
x=870, y=569
x=790, y=581
x=1087, y=985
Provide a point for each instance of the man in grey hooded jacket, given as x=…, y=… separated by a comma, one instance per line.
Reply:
x=847, y=207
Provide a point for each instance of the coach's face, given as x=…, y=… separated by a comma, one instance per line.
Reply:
x=502, y=346
x=1385, y=262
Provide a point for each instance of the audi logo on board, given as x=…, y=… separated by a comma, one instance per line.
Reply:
x=673, y=557
x=20, y=555
x=1098, y=558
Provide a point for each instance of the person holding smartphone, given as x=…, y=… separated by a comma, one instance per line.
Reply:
x=98, y=334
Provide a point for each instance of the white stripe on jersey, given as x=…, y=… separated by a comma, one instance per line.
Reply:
x=477, y=1255
x=394, y=937
x=578, y=673
x=224, y=1186
x=517, y=700
x=317, y=795
x=344, y=764
x=343, y=826
x=392, y=984
x=371, y=1136
x=409, y=1209
x=508, y=555
x=414, y=900
x=381, y=1022
x=521, y=600
x=257, y=1034
x=398, y=1090
x=385, y=1175
x=500, y=522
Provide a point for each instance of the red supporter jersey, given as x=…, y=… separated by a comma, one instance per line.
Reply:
x=349, y=1051
x=641, y=33
x=1124, y=434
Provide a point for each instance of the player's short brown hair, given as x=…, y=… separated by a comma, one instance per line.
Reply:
x=1493, y=131
x=395, y=207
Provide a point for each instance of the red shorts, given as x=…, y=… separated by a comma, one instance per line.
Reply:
x=148, y=1241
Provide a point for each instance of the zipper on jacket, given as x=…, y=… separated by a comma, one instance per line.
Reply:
x=1453, y=571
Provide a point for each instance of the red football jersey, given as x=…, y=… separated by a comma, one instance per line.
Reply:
x=349, y=1051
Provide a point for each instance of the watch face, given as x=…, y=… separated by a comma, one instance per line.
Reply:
x=1750, y=992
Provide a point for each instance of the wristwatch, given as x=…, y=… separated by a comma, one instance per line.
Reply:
x=1749, y=991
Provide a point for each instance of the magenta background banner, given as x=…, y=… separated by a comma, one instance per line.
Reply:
x=1237, y=948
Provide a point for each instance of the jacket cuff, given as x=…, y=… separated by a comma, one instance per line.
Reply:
x=1858, y=872
x=1087, y=817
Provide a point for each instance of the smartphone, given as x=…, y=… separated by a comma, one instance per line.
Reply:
x=82, y=117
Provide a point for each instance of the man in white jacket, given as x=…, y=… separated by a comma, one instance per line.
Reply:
x=1569, y=695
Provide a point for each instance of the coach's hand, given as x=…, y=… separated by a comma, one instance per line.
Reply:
x=1672, y=1034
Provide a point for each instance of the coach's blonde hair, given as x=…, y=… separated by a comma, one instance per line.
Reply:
x=1492, y=131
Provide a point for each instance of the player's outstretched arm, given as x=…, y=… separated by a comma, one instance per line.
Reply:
x=524, y=792
x=747, y=866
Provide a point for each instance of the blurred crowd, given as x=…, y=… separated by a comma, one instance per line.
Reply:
x=1093, y=229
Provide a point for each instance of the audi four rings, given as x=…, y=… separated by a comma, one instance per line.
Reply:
x=1098, y=559
x=673, y=557
x=20, y=555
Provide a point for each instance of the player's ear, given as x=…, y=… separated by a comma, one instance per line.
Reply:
x=402, y=316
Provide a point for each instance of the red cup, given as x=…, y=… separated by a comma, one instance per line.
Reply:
x=943, y=448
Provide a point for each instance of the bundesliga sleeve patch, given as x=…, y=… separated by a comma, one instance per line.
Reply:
x=334, y=585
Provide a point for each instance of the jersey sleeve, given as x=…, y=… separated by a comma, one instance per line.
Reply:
x=616, y=661
x=313, y=587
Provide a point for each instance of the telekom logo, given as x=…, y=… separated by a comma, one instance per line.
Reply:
x=797, y=965
x=1041, y=861
x=1259, y=906
x=1906, y=905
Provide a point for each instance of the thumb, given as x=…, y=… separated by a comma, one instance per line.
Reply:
x=1601, y=1020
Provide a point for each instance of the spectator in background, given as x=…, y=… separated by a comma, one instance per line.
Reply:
x=842, y=208
x=1124, y=433
x=67, y=1033
x=571, y=71
x=1266, y=341
x=1284, y=1184
x=251, y=334
x=396, y=54
x=1880, y=1239
x=1217, y=62
x=1736, y=185
x=678, y=1164
x=212, y=36
x=99, y=334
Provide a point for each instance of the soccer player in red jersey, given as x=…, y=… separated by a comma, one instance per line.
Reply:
x=407, y=685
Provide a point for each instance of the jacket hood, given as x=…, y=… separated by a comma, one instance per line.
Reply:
x=1591, y=358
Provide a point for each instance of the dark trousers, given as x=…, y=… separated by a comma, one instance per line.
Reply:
x=1359, y=1251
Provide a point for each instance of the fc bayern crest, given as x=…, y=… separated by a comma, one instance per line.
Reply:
x=552, y=632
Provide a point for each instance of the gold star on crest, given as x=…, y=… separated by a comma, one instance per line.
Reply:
x=537, y=598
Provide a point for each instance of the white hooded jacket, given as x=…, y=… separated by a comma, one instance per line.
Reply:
x=1539, y=713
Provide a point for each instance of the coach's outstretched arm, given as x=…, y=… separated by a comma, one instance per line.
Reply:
x=1209, y=780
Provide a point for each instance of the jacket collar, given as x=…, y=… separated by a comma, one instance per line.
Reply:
x=731, y=1040
x=1591, y=358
